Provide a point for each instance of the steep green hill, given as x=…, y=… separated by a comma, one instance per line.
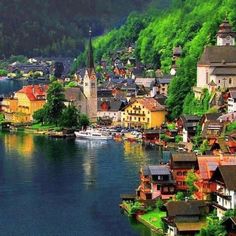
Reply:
x=190, y=24
x=57, y=27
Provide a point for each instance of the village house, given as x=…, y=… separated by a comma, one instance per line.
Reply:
x=187, y=126
x=76, y=97
x=209, y=117
x=180, y=164
x=156, y=182
x=232, y=101
x=207, y=166
x=230, y=226
x=110, y=108
x=163, y=83
x=25, y=102
x=176, y=54
x=143, y=113
x=225, y=180
x=216, y=69
x=185, y=217
x=212, y=131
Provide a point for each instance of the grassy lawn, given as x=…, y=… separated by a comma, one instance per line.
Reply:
x=39, y=126
x=154, y=217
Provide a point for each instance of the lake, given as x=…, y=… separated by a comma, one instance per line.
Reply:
x=67, y=187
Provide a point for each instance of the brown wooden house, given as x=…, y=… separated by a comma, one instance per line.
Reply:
x=156, y=182
x=180, y=164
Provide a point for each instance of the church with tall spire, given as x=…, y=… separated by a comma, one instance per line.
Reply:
x=90, y=83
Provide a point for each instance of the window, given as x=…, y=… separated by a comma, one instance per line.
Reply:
x=165, y=189
x=148, y=119
x=86, y=84
x=185, y=173
x=172, y=189
x=179, y=173
x=230, y=81
x=92, y=85
x=219, y=82
x=179, y=183
x=159, y=177
x=139, y=119
x=143, y=119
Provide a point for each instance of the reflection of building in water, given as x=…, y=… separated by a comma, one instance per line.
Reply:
x=135, y=152
x=89, y=159
x=23, y=144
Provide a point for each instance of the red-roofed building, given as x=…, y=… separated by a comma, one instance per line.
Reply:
x=28, y=100
x=207, y=166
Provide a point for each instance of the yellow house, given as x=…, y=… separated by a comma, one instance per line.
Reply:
x=143, y=112
x=26, y=101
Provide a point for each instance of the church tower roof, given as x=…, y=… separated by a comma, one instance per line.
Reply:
x=90, y=60
x=225, y=29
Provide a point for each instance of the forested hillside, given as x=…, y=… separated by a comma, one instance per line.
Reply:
x=57, y=27
x=190, y=24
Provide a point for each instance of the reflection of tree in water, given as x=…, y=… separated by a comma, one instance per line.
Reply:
x=56, y=149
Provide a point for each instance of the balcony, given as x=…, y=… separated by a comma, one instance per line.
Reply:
x=216, y=205
x=221, y=194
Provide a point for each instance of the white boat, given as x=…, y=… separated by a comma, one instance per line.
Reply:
x=93, y=134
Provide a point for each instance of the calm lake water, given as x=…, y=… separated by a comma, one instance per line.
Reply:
x=67, y=187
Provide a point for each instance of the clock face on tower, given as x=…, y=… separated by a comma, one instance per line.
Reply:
x=93, y=77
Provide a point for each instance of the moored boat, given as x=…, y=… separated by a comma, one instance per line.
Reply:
x=93, y=134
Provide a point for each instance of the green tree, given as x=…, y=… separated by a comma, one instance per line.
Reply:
x=40, y=115
x=179, y=196
x=83, y=121
x=69, y=117
x=191, y=178
x=3, y=72
x=55, y=103
x=213, y=227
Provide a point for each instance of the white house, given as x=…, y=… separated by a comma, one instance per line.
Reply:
x=232, y=101
x=225, y=179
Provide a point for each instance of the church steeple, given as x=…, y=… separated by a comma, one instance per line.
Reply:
x=90, y=61
x=225, y=35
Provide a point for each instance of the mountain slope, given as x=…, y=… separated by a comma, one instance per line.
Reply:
x=190, y=24
x=54, y=27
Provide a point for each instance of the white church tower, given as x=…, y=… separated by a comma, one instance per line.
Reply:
x=225, y=35
x=90, y=83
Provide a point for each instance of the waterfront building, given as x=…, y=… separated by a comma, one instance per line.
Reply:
x=85, y=97
x=143, y=113
x=156, y=182
x=180, y=164
x=25, y=102
x=110, y=109
x=90, y=84
x=185, y=217
x=225, y=180
x=207, y=166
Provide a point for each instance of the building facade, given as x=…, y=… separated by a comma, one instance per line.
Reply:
x=143, y=113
